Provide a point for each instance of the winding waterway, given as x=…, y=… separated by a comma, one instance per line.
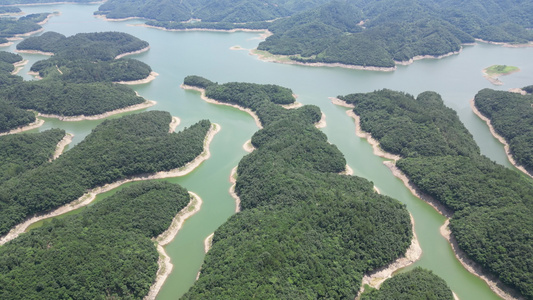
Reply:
x=175, y=55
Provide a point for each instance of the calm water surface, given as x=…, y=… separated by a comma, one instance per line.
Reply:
x=175, y=55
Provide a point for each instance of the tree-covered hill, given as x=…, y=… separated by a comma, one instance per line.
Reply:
x=511, y=115
x=11, y=26
x=353, y=32
x=104, y=252
x=304, y=231
x=417, y=284
x=492, y=205
x=115, y=149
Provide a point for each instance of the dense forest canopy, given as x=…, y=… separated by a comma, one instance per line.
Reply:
x=11, y=26
x=417, y=284
x=511, y=115
x=104, y=252
x=352, y=32
x=305, y=231
x=492, y=205
x=115, y=149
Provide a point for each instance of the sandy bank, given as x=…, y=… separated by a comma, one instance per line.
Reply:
x=105, y=18
x=145, y=104
x=518, y=91
x=322, y=123
x=292, y=105
x=35, y=52
x=133, y=52
x=500, y=138
x=285, y=59
x=420, y=57
x=248, y=147
x=494, y=283
x=204, y=97
x=6, y=44
x=35, y=75
x=19, y=66
x=22, y=35
x=90, y=195
x=67, y=139
x=173, y=124
x=233, y=181
x=264, y=35
x=237, y=47
x=347, y=171
x=38, y=123
x=149, y=78
x=208, y=242
x=56, y=13
x=165, y=264
x=377, y=277
x=494, y=78
x=360, y=133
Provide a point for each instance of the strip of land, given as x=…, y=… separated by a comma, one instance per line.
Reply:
x=133, y=52
x=67, y=139
x=143, y=105
x=35, y=52
x=500, y=138
x=233, y=181
x=420, y=57
x=149, y=78
x=19, y=66
x=90, y=195
x=38, y=123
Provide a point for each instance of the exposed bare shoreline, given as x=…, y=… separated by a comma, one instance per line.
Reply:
x=35, y=52
x=494, y=79
x=209, y=100
x=378, y=276
x=149, y=78
x=208, y=242
x=265, y=32
x=420, y=57
x=233, y=181
x=90, y=195
x=38, y=123
x=248, y=147
x=500, y=138
x=165, y=264
x=19, y=66
x=509, y=45
x=67, y=139
x=145, y=104
x=494, y=284
x=133, y=52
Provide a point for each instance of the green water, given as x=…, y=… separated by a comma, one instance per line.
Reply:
x=175, y=55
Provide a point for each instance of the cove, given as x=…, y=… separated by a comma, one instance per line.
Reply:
x=175, y=55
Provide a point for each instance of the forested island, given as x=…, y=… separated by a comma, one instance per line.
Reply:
x=116, y=149
x=511, y=116
x=103, y=252
x=491, y=205
x=371, y=34
x=11, y=27
x=304, y=230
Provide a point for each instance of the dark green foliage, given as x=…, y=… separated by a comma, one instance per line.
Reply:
x=304, y=231
x=70, y=99
x=118, y=148
x=492, y=219
x=10, y=27
x=103, y=252
x=22, y=152
x=208, y=25
x=9, y=57
x=12, y=117
x=35, y=18
x=93, y=46
x=511, y=115
x=528, y=89
x=9, y=10
x=418, y=284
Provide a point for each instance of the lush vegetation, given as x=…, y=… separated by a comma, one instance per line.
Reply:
x=492, y=219
x=304, y=231
x=22, y=152
x=12, y=117
x=417, y=284
x=512, y=117
x=528, y=89
x=355, y=32
x=105, y=252
x=497, y=70
x=115, y=149
x=9, y=10
x=70, y=99
x=10, y=27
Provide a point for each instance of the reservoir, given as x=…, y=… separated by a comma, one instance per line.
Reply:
x=175, y=55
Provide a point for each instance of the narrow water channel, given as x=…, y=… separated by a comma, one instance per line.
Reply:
x=175, y=55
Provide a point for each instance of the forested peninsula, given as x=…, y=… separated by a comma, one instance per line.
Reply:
x=116, y=149
x=103, y=252
x=304, y=230
x=11, y=27
x=372, y=34
x=511, y=116
x=492, y=219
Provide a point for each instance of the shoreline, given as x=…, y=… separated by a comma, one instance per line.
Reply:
x=19, y=66
x=148, y=79
x=164, y=262
x=233, y=181
x=34, y=52
x=420, y=57
x=133, y=52
x=322, y=122
x=500, y=138
x=348, y=171
x=208, y=242
x=19, y=36
x=173, y=124
x=6, y=44
x=146, y=104
x=284, y=59
x=495, y=78
x=213, y=101
x=248, y=147
x=378, y=276
x=38, y=123
x=266, y=32
x=66, y=140
x=471, y=266
x=362, y=134
x=91, y=194
x=509, y=45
